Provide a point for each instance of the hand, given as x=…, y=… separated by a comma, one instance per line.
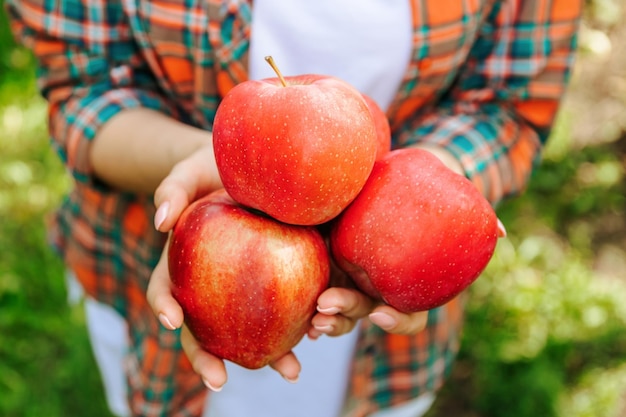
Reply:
x=188, y=180
x=339, y=309
x=342, y=305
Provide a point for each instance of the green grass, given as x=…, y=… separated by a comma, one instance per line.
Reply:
x=544, y=335
x=46, y=367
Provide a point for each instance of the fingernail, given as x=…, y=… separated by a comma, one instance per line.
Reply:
x=292, y=380
x=501, y=229
x=383, y=320
x=211, y=387
x=324, y=329
x=166, y=322
x=161, y=214
x=329, y=311
x=314, y=334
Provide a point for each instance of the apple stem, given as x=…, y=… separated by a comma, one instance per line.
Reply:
x=270, y=61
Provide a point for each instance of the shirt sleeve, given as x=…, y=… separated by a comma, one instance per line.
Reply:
x=498, y=113
x=89, y=69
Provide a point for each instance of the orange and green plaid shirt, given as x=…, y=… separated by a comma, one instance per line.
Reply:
x=484, y=82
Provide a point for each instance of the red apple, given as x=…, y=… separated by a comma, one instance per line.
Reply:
x=300, y=151
x=383, y=130
x=248, y=285
x=417, y=235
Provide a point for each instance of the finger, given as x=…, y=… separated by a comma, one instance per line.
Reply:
x=393, y=321
x=348, y=302
x=288, y=367
x=209, y=367
x=172, y=196
x=313, y=333
x=339, y=309
x=335, y=325
x=159, y=295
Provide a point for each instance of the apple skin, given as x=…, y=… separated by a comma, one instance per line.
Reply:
x=383, y=129
x=299, y=153
x=248, y=285
x=418, y=233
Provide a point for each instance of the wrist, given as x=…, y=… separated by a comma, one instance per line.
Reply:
x=137, y=148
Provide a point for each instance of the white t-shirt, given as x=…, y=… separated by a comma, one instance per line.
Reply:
x=365, y=42
x=368, y=44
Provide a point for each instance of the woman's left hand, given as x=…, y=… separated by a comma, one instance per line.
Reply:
x=339, y=309
x=341, y=306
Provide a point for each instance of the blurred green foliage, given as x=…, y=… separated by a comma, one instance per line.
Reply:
x=545, y=324
x=46, y=365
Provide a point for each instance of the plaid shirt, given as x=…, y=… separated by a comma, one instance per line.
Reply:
x=484, y=82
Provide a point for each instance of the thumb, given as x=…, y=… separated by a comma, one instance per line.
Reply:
x=192, y=177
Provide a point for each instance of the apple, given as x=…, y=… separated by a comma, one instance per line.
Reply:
x=248, y=284
x=297, y=148
x=417, y=234
x=381, y=123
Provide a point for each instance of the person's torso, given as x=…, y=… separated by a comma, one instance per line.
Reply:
x=195, y=52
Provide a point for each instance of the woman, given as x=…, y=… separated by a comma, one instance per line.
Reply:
x=133, y=87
